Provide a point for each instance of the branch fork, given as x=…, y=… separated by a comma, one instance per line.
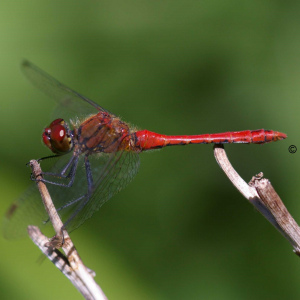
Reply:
x=261, y=194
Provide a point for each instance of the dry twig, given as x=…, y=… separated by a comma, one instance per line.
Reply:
x=258, y=192
x=70, y=264
x=262, y=195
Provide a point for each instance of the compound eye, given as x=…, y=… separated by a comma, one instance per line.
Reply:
x=46, y=137
x=57, y=138
x=58, y=133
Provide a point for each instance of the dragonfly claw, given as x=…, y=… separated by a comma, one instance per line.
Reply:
x=34, y=177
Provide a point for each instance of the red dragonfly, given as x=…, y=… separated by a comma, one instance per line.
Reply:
x=98, y=156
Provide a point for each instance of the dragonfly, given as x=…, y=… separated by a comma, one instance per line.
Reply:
x=96, y=155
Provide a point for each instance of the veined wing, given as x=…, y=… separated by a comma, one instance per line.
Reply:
x=70, y=102
x=111, y=173
x=29, y=208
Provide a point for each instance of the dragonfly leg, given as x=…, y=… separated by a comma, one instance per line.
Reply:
x=72, y=165
x=70, y=203
x=64, y=170
x=89, y=176
x=87, y=196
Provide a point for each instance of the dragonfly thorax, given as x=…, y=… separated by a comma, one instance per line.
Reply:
x=102, y=133
x=57, y=137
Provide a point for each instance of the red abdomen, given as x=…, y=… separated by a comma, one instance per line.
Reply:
x=146, y=140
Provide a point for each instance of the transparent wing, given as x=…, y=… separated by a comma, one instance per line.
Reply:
x=70, y=103
x=29, y=208
x=111, y=173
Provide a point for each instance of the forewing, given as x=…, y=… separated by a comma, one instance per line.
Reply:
x=70, y=103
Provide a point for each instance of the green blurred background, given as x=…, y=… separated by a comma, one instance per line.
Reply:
x=180, y=230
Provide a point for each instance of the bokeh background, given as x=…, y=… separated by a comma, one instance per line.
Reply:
x=180, y=230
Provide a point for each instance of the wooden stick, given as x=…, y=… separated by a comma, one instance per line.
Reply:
x=286, y=224
x=70, y=264
x=260, y=193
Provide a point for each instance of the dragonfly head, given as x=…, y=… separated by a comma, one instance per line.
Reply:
x=57, y=137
